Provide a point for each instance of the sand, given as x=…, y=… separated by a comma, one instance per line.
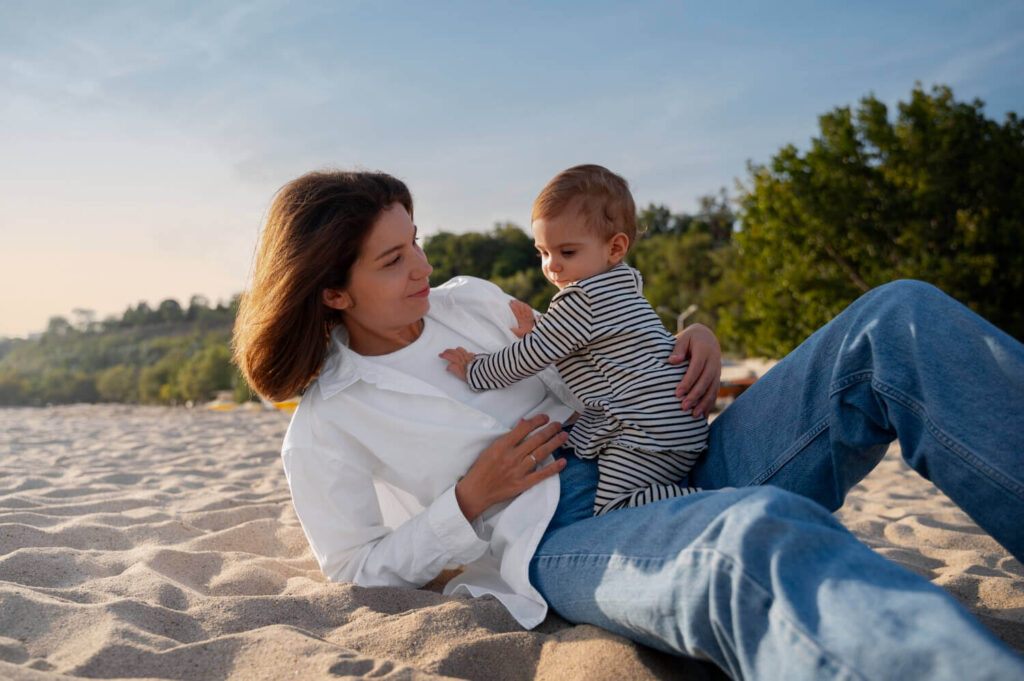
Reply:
x=146, y=542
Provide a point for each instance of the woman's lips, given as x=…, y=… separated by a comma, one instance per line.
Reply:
x=422, y=294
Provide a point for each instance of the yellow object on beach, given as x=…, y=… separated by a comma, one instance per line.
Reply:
x=288, y=405
x=223, y=402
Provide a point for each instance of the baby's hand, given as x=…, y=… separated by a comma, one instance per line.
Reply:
x=524, y=317
x=458, y=359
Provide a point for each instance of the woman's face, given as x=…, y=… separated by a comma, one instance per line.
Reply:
x=387, y=292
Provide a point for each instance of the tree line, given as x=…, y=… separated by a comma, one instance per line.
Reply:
x=934, y=192
x=162, y=355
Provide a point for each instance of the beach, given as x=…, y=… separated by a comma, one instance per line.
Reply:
x=161, y=543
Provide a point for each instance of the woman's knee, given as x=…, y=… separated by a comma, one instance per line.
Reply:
x=907, y=294
x=758, y=517
x=897, y=311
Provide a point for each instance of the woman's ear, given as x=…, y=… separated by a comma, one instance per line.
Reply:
x=336, y=299
x=618, y=246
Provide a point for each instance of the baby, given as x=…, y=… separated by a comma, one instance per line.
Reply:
x=608, y=345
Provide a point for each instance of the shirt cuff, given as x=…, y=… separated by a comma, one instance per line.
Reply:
x=453, y=530
x=471, y=381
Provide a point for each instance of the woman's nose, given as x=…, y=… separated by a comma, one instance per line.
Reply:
x=424, y=269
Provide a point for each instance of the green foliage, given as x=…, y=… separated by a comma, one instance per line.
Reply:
x=14, y=389
x=933, y=195
x=502, y=252
x=66, y=386
x=204, y=373
x=529, y=286
x=505, y=255
x=715, y=218
x=161, y=356
x=118, y=384
x=241, y=391
x=157, y=383
x=170, y=311
x=691, y=264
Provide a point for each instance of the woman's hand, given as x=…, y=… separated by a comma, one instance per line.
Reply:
x=507, y=467
x=699, y=387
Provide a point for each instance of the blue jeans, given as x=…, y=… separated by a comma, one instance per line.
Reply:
x=761, y=579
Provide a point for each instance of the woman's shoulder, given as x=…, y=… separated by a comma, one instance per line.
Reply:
x=462, y=289
x=462, y=298
x=299, y=435
x=325, y=430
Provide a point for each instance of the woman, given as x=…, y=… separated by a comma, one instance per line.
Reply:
x=396, y=473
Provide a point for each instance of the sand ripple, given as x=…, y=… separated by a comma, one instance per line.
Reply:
x=161, y=543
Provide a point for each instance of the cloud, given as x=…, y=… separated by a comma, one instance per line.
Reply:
x=973, y=64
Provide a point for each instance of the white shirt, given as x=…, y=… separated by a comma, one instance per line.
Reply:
x=372, y=456
x=420, y=360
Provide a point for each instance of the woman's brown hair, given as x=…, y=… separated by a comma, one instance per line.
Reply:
x=313, y=234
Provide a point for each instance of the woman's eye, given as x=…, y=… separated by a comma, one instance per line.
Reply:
x=566, y=254
x=393, y=262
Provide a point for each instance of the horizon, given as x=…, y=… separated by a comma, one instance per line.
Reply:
x=143, y=144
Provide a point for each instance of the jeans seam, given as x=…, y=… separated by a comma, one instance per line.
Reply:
x=839, y=666
x=805, y=439
x=850, y=379
x=948, y=441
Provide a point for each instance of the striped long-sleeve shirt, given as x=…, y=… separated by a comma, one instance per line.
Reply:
x=611, y=350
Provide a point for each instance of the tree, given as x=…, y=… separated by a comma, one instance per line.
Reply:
x=14, y=389
x=716, y=217
x=118, y=384
x=198, y=305
x=139, y=315
x=85, y=319
x=502, y=252
x=241, y=391
x=655, y=219
x=205, y=373
x=157, y=382
x=62, y=386
x=529, y=286
x=58, y=326
x=170, y=311
x=933, y=195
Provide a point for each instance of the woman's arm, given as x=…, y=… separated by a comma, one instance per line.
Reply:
x=337, y=505
x=699, y=388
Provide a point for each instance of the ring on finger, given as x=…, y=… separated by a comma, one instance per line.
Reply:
x=535, y=462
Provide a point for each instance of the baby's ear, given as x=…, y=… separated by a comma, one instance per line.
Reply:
x=618, y=246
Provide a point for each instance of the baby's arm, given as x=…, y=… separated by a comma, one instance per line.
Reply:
x=562, y=331
x=459, y=358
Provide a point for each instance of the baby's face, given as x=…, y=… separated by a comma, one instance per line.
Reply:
x=569, y=251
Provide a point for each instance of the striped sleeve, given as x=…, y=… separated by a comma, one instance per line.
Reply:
x=564, y=329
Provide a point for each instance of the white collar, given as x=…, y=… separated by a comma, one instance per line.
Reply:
x=344, y=366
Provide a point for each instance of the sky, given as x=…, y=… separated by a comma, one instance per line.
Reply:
x=141, y=142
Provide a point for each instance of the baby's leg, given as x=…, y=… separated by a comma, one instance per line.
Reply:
x=632, y=478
